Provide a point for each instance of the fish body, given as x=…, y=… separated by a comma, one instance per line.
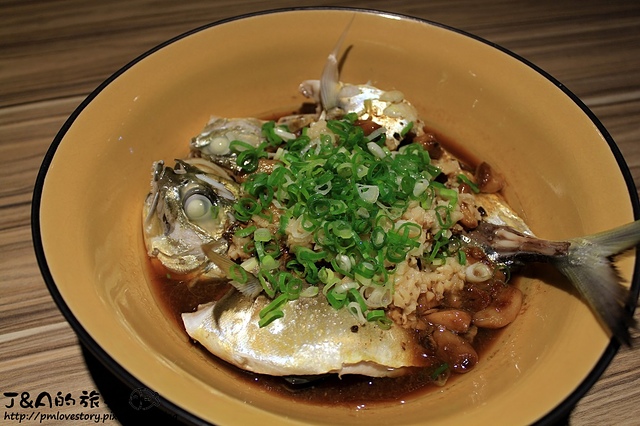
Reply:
x=316, y=339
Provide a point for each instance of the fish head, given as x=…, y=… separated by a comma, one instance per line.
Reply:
x=388, y=109
x=214, y=142
x=186, y=208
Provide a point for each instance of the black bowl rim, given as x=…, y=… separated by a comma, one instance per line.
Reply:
x=555, y=416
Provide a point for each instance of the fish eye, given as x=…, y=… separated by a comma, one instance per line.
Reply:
x=217, y=146
x=197, y=206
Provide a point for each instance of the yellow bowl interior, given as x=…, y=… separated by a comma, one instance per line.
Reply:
x=562, y=178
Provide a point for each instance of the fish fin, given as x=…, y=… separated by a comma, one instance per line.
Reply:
x=614, y=241
x=330, y=79
x=251, y=288
x=222, y=305
x=598, y=282
x=588, y=265
x=152, y=208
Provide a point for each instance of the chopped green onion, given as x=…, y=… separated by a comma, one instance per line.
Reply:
x=337, y=207
x=311, y=291
x=337, y=300
x=269, y=263
x=464, y=179
x=356, y=310
x=262, y=235
x=342, y=229
x=273, y=305
x=248, y=161
x=342, y=264
x=462, y=257
x=364, y=271
x=293, y=288
x=438, y=371
x=240, y=146
x=318, y=206
x=406, y=129
x=238, y=274
x=368, y=193
x=376, y=150
x=380, y=318
x=250, y=264
x=355, y=296
x=443, y=215
x=396, y=253
x=410, y=230
x=384, y=222
x=306, y=254
x=344, y=192
x=269, y=317
x=245, y=232
x=245, y=208
x=266, y=280
x=449, y=194
x=378, y=237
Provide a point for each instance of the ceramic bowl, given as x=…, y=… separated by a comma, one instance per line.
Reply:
x=564, y=175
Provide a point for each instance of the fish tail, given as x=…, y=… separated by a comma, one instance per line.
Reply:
x=615, y=241
x=589, y=266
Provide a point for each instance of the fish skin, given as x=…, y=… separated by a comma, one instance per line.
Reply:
x=298, y=346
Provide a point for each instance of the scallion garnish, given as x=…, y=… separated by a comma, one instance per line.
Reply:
x=438, y=371
x=345, y=192
x=464, y=179
x=406, y=129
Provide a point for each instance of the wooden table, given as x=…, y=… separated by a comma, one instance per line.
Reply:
x=53, y=53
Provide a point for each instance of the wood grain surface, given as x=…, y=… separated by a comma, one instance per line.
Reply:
x=54, y=53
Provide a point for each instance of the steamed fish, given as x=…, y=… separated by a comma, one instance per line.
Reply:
x=354, y=243
x=316, y=339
